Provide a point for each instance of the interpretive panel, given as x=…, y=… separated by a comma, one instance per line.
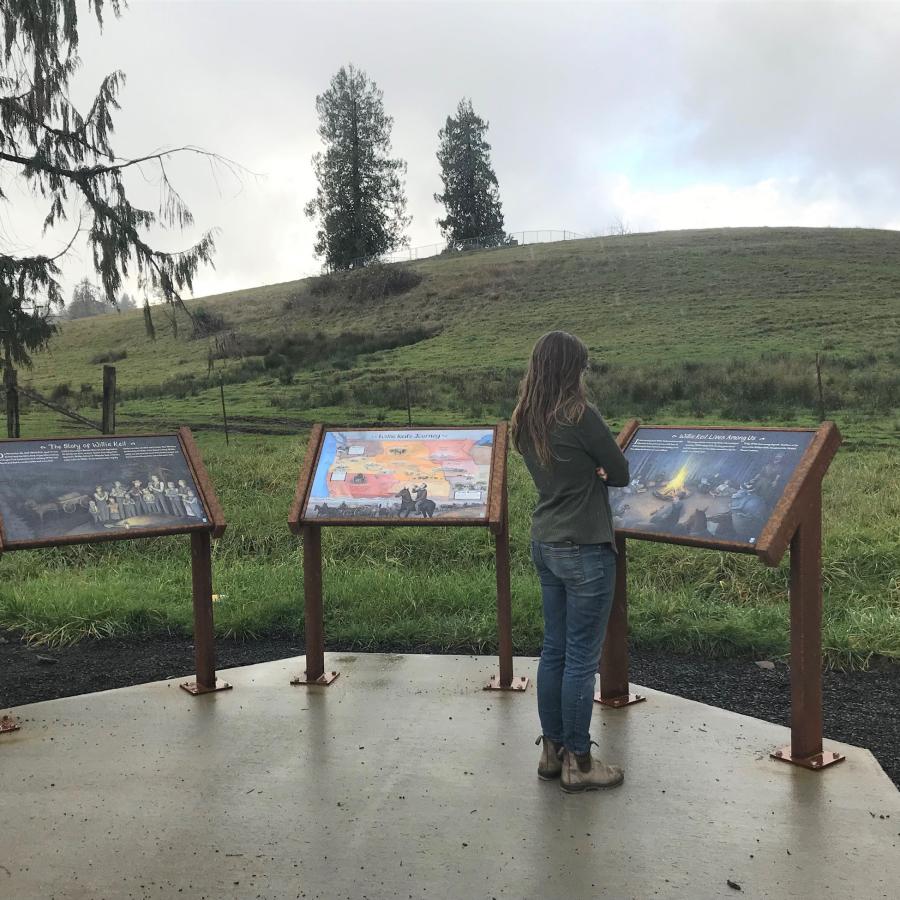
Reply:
x=706, y=484
x=402, y=475
x=84, y=489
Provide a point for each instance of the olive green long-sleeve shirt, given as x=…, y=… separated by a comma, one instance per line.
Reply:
x=573, y=501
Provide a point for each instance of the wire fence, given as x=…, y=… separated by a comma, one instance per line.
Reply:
x=485, y=242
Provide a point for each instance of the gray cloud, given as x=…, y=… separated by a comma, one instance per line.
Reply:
x=592, y=107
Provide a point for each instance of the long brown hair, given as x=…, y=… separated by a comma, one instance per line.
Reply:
x=551, y=393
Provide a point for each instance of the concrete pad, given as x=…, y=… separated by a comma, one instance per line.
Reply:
x=405, y=779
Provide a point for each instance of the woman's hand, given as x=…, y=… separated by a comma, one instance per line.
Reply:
x=601, y=472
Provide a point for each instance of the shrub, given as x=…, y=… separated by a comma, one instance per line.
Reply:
x=368, y=283
x=111, y=357
x=273, y=360
x=206, y=323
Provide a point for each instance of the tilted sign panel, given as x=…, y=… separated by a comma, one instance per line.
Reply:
x=402, y=475
x=706, y=484
x=85, y=489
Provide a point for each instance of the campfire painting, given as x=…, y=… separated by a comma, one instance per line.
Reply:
x=675, y=487
x=706, y=483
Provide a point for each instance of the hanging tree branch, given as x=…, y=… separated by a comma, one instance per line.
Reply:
x=67, y=159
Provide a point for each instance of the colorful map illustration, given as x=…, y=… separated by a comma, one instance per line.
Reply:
x=402, y=474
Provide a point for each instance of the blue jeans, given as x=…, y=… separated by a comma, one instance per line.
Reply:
x=577, y=584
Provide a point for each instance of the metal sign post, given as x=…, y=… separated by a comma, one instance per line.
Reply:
x=314, y=612
x=614, y=686
x=504, y=680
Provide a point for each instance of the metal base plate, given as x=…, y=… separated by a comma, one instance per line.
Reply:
x=8, y=724
x=192, y=687
x=326, y=678
x=816, y=762
x=616, y=702
x=518, y=683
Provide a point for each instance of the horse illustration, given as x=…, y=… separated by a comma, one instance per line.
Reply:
x=42, y=509
x=407, y=504
x=426, y=508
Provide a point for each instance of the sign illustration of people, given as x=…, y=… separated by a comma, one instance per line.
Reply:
x=403, y=474
x=424, y=506
x=709, y=483
x=85, y=486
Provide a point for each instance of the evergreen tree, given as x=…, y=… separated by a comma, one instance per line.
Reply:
x=86, y=301
x=149, y=327
x=360, y=203
x=66, y=158
x=471, y=194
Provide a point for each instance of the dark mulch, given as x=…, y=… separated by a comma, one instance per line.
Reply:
x=860, y=707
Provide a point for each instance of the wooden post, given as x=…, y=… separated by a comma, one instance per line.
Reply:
x=108, y=422
x=806, y=641
x=614, y=658
x=408, y=403
x=819, y=387
x=12, y=402
x=204, y=633
x=224, y=414
x=314, y=627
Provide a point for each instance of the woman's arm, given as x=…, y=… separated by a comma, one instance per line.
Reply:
x=603, y=449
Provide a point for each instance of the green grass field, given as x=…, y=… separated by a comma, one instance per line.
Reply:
x=706, y=326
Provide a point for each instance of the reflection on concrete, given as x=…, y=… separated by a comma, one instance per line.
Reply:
x=405, y=778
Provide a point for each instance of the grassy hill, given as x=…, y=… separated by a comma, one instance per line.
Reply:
x=714, y=326
x=722, y=322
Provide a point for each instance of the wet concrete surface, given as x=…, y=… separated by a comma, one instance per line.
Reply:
x=405, y=779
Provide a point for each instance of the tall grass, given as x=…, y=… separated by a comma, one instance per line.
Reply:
x=775, y=386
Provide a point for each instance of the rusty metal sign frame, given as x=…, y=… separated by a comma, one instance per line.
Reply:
x=310, y=530
x=201, y=556
x=795, y=523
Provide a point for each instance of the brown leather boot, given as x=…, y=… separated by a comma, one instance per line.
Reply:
x=584, y=772
x=550, y=765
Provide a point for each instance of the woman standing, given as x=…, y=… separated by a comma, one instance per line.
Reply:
x=572, y=457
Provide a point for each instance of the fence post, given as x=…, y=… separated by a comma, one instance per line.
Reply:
x=819, y=387
x=224, y=413
x=108, y=422
x=12, y=402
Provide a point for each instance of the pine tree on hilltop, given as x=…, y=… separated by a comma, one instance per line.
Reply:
x=471, y=194
x=87, y=302
x=360, y=203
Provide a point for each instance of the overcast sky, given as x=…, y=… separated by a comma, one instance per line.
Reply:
x=663, y=115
